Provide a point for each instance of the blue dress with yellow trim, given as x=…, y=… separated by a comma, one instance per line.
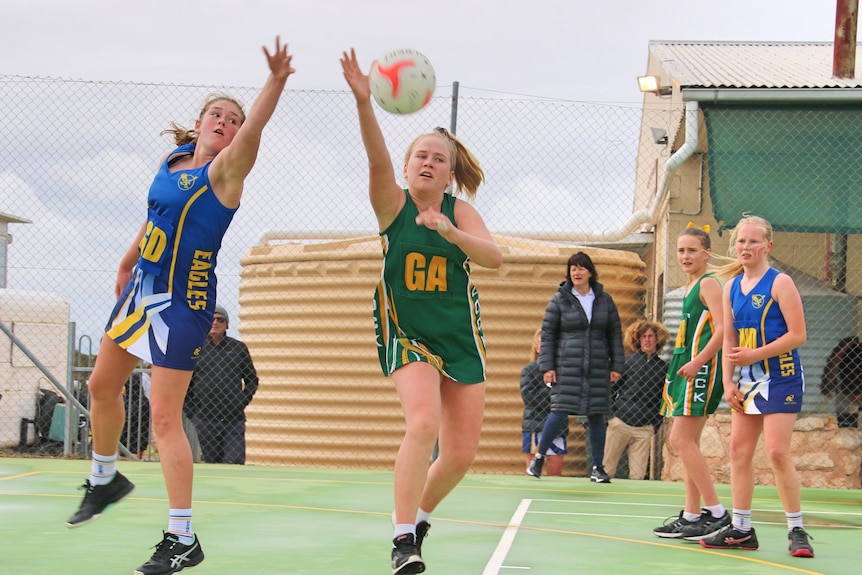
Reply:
x=774, y=385
x=166, y=310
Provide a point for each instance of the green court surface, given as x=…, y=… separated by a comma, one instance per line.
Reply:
x=276, y=520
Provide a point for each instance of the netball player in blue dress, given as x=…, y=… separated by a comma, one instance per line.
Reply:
x=764, y=327
x=166, y=290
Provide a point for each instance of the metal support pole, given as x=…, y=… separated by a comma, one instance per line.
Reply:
x=453, y=121
x=57, y=385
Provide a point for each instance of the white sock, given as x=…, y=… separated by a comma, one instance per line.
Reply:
x=742, y=519
x=690, y=517
x=403, y=529
x=794, y=520
x=717, y=511
x=422, y=515
x=102, y=468
x=180, y=524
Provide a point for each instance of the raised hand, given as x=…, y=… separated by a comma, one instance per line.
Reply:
x=357, y=81
x=279, y=61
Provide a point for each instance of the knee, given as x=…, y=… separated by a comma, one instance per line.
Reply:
x=423, y=428
x=459, y=460
x=101, y=390
x=679, y=442
x=164, y=424
x=740, y=453
x=778, y=456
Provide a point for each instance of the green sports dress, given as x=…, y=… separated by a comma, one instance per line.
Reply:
x=702, y=395
x=426, y=308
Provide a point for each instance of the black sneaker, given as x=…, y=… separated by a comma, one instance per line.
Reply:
x=705, y=526
x=172, y=556
x=535, y=468
x=405, y=555
x=98, y=497
x=422, y=529
x=674, y=528
x=599, y=476
x=729, y=537
x=799, y=545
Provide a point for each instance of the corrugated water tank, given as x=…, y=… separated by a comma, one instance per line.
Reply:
x=305, y=313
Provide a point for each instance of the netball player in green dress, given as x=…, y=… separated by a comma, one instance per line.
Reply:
x=693, y=387
x=426, y=310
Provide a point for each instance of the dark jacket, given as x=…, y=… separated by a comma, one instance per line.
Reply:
x=536, y=396
x=223, y=383
x=582, y=353
x=637, y=394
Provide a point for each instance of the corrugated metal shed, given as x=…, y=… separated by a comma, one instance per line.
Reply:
x=751, y=64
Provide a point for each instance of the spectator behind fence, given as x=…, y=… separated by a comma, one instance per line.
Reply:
x=223, y=384
x=636, y=399
x=537, y=406
x=582, y=354
x=842, y=380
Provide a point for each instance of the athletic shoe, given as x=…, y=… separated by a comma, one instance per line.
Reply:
x=705, y=526
x=535, y=468
x=405, y=555
x=172, y=556
x=98, y=497
x=674, y=528
x=729, y=537
x=422, y=529
x=599, y=476
x=799, y=545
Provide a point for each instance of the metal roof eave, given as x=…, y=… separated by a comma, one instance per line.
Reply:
x=773, y=95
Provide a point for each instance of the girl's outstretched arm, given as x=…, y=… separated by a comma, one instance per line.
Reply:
x=231, y=166
x=387, y=197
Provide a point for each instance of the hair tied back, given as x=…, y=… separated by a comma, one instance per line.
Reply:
x=704, y=227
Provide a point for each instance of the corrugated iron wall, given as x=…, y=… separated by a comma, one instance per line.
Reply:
x=305, y=313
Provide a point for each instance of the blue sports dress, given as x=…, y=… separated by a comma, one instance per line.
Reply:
x=776, y=384
x=166, y=310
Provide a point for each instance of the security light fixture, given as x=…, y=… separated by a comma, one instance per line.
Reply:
x=659, y=135
x=651, y=84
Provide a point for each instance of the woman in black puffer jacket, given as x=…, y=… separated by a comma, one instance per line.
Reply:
x=582, y=353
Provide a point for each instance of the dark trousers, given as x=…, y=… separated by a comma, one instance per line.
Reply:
x=221, y=441
x=598, y=429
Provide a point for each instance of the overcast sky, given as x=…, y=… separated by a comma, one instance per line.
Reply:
x=582, y=50
x=569, y=50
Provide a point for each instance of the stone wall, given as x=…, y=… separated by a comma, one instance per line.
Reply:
x=825, y=455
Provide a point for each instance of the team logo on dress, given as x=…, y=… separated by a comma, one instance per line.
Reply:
x=186, y=181
x=757, y=300
x=197, y=353
x=790, y=400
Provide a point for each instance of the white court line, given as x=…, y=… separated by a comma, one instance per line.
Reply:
x=495, y=563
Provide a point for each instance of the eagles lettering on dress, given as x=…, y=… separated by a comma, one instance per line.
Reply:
x=199, y=277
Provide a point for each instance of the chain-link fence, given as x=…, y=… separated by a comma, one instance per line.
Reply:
x=296, y=272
